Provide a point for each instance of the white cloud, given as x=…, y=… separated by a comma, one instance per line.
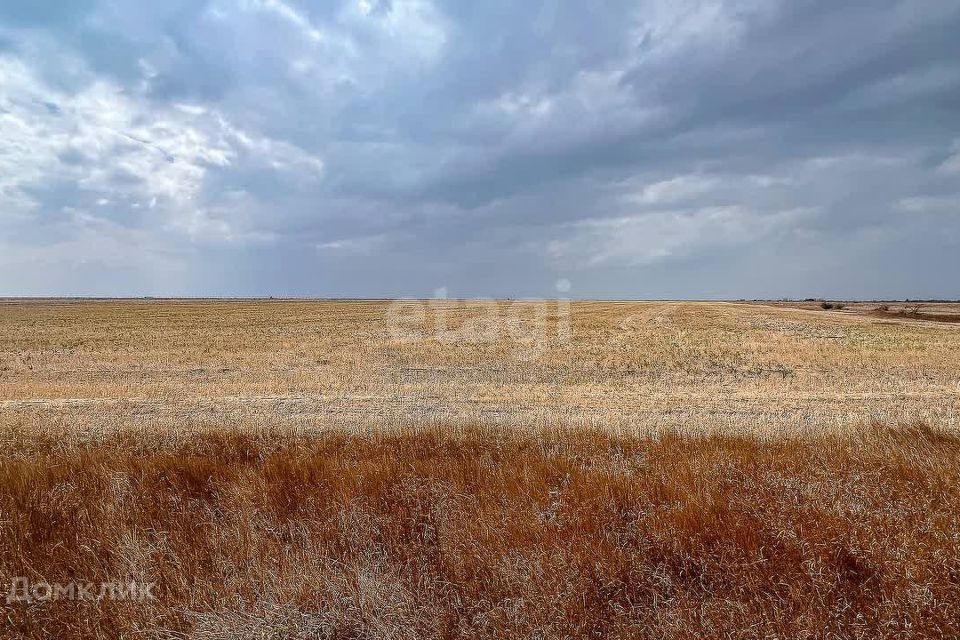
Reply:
x=592, y=104
x=109, y=134
x=952, y=163
x=670, y=28
x=678, y=189
x=359, y=49
x=358, y=246
x=409, y=30
x=931, y=204
x=123, y=151
x=286, y=13
x=648, y=238
x=235, y=218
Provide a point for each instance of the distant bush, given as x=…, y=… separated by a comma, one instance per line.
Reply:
x=826, y=305
x=884, y=308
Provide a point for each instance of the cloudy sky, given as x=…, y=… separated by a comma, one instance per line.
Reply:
x=645, y=148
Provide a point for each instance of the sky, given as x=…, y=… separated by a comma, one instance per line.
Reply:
x=495, y=148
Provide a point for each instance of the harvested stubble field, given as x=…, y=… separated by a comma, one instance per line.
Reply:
x=296, y=469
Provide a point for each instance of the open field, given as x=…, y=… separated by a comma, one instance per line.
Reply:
x=628, y=367
x=494, y=470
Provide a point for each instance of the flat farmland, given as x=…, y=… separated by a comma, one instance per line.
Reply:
x=466, y=469
x=634, y=367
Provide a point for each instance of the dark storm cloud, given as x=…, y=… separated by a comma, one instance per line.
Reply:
x=391, y=147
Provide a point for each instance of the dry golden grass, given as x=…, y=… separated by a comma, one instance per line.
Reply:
x=292, y=470
x=489, y=534
x=628, y=367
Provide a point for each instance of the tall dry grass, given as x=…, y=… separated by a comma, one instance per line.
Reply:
x=485, y=533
